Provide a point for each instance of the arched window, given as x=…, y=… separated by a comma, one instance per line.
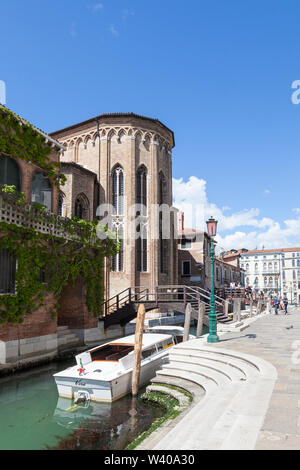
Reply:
x=247, y=267
x=142, y=228
x=118, y=190
x=61, y=204
x=10, y=172
x=265, y=267
x=82, y=207
x=163, y=242
x=118, y=219
x=141, y=186
x=266, y=281
x=118, y=259
x=270, y=267
x=256, y=267
x=42, y=190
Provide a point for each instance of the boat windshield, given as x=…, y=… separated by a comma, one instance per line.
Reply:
x=111, y=352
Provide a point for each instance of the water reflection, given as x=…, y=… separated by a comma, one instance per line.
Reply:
x=32, y=416
x=103, y=426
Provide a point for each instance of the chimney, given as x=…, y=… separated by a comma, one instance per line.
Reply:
x=181, y=221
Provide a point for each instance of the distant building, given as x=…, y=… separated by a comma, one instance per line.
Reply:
x=274, y=270
x=194, y=265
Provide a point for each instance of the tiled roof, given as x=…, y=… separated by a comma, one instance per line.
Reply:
x=76, y=165
x=273, y=250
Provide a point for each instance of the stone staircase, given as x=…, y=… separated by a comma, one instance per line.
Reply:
x=221, y=317
x=231, y=393
x=65, y=338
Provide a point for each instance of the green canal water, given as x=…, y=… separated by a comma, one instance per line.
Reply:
x=33, y=417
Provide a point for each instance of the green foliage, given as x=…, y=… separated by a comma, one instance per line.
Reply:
x=21, y=140
x=78, y=254
x=167, y=402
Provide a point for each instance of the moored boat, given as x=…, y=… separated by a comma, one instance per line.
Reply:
x=104, y=373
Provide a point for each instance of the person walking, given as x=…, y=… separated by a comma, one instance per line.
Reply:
x=285, y=303
x=276, y=305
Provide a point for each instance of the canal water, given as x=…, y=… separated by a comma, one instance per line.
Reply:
x=33, y=417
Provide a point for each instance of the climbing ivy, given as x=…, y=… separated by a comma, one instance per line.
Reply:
x=79, y=253
x=18, y=138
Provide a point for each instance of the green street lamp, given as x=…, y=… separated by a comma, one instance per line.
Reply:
x=212, y=336
x=277, y=277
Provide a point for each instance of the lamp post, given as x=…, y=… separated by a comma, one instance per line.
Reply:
x=276, y=277
x=212, y=336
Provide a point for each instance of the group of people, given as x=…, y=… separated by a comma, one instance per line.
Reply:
x=280, y=304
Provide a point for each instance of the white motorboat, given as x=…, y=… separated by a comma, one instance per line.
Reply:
x=104, y=373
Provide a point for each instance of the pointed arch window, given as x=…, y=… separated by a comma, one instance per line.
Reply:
x=42, y=190
x=118, y=216
x=118, y=190
x=118, y=259
x=142, y=228
x=10, y=172
x=82, y=207
x=141, y=186
x=163, y=243
x=61, y=204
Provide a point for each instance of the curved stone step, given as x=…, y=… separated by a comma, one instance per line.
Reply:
x=219, y=377
x=208, y=385
x=196, y=390
x=250, y=369
x=232, y=372
x=243, y=367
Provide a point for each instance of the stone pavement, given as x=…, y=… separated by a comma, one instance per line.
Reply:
x=275, y=339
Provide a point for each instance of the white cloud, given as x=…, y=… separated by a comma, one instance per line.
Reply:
x=96, y=7
x=126, y=13
x=191, y=198
x=114, y=31
x=267, y=191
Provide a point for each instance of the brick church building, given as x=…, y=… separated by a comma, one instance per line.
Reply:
x=120, y=160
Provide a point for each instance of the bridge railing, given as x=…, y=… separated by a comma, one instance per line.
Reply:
x=159, y=294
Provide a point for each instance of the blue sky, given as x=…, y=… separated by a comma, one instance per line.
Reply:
x=218, y=73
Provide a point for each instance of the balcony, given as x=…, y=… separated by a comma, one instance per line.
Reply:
x=28, y=216
x=271, y=271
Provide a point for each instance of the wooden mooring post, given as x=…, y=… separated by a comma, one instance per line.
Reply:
x=138, y=342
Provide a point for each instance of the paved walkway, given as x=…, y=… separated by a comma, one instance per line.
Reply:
x=262, y=412
x=273, y=338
